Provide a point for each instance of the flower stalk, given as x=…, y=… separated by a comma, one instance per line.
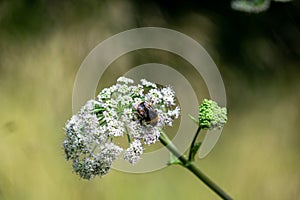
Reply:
x=194, y=146
x=186, y=163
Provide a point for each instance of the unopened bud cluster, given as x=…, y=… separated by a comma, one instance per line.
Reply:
x=212, y=116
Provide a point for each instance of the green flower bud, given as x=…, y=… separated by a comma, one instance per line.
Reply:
x=211, y=116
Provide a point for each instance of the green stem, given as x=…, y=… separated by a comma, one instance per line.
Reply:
x=193, y=143
x=96, y=145
x=127, y=133
x=191, y=167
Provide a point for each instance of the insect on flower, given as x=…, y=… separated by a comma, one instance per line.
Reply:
x=145, y=112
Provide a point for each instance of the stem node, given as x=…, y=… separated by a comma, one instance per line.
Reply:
x=186, y=163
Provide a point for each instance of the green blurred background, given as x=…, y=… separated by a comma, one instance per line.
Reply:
x=42, y=44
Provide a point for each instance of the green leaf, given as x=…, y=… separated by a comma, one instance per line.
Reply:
x=174, y=160
x=96, y=110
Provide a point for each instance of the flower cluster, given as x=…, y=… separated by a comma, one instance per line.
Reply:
x=91, y=133
x=255, y=6
x=211, y=116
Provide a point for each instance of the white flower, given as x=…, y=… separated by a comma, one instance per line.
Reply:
x=154, y=96
x=136, y=91
x=134, y=152
x=115, y=128
x=105, y=94
x=125, y=100
x=97, y=164
x=81, y=130
x=164, y=119
x=125, y=80
x=90, y=134
x=151, y=135
x=168, y=95
x=148, y=84
x=174, y=113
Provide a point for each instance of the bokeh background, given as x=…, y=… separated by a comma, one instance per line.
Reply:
x=42, y=44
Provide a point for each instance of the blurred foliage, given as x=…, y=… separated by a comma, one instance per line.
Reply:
x=252, y=6
x=44, y=42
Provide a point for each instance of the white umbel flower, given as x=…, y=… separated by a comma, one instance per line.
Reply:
x=148, y=84
x=137, y=111
x=134, y=152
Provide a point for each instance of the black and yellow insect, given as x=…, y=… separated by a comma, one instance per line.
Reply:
x=146, y=113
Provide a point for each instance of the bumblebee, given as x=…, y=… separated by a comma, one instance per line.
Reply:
x=146, y=113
